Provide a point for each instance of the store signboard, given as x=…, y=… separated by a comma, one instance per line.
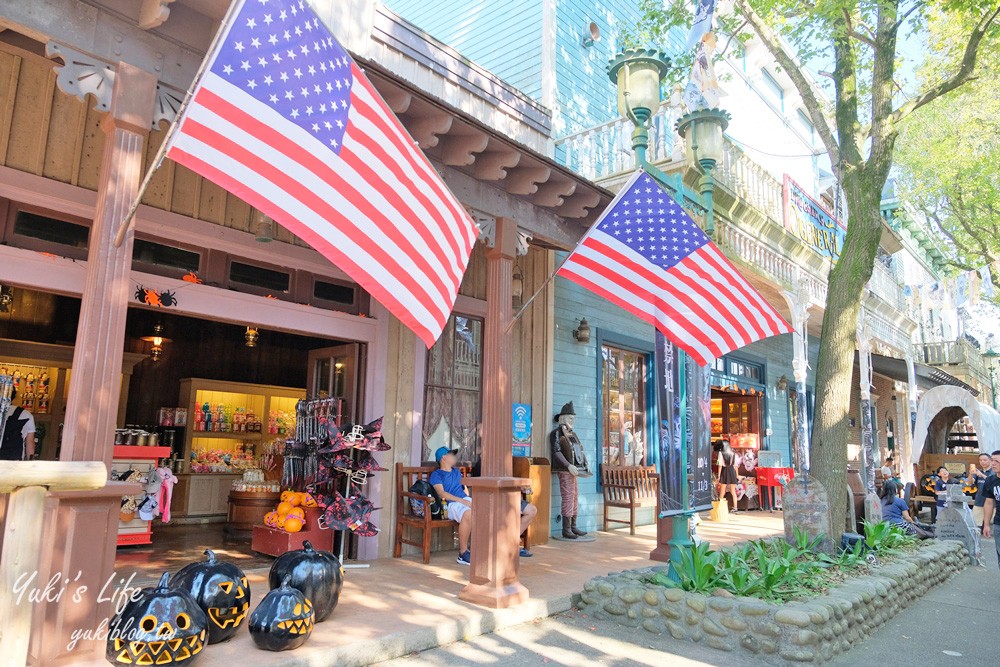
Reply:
x=810, y=222
x=685, y=421
x=521, y=428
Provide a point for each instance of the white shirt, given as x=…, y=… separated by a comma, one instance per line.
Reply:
x=29, y=423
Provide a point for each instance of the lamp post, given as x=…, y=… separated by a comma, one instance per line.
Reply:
x=638, y=75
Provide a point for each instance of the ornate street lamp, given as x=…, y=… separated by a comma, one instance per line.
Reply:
x=992, y=356
x=639, y=74
x=704, y=145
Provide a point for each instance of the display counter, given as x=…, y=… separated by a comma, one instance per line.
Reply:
x=203, y=495
x=143, y=460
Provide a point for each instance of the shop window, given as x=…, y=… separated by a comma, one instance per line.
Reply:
x=623, y=406
x=258, y=276
x=453, y=390
x=40, y=232
x=152, y=254
x=334, y=292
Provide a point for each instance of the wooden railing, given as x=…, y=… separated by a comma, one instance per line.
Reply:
x=27, y=482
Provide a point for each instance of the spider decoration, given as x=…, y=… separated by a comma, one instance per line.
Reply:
x=151, y=297
x=191, y=277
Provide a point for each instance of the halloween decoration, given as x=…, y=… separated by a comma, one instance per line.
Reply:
x=350, y=514
x=191, y=277
x=293, y=524
x=283, y=620
x=309, y=501
x=221, y=590
x=316, y=573
x=271, y=519
x=160, y=626
x=151, y=297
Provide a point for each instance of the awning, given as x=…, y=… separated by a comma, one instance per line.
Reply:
x=928, y=377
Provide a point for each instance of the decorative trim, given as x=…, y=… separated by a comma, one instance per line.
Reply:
x=83, y=74
x=521, y=244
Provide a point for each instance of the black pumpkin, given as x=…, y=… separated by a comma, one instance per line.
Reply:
x=316, y=573
x=221, y=590
x=161, y=626
x=283, y=620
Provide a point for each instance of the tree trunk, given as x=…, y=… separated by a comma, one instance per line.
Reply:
x=835, y=371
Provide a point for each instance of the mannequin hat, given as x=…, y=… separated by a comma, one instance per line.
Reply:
x=566, y=410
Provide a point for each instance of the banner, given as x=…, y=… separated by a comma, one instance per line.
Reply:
x=669, y=410
x=810, y=222
x=699, y=431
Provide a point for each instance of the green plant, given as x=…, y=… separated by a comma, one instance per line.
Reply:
x=886, y=538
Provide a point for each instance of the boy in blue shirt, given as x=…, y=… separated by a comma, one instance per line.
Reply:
x=447, y=482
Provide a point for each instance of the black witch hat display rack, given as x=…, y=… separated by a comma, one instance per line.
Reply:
x=333, y=460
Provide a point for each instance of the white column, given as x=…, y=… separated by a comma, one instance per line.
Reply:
x=911, y=416
x=867, y=437
x=798, y=303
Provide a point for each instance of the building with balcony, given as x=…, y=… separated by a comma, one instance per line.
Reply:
x=778, y=216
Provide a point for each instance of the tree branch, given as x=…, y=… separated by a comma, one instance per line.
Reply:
x=883, y=132
x=906, y=14
x=964, y=73
x=732, y=37
x=810, y=96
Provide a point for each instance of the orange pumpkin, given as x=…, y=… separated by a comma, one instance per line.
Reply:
x=271, y=519
x=296, y=511
x=308, y=500
x=295, y=499
x=280, y=523
x=284, y=507
x=293, y=524
x=286, y=495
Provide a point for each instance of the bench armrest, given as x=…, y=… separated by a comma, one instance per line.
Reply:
x=619, y=486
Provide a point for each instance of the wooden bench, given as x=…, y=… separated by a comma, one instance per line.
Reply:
x=629, y=487
x=406, y=477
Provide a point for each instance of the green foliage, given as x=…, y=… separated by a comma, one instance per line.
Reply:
x=948, y=153
x=886, y=538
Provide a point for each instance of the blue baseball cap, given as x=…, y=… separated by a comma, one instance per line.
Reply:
x=441, y=451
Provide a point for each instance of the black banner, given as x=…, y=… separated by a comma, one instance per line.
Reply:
x=699, y=432
x=668, y=405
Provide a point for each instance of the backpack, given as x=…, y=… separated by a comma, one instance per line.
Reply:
x=11, y=441
x=422, y=487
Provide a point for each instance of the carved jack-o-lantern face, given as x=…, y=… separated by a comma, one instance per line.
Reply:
x=221, y=590
x=161, y=627
x=283, y=620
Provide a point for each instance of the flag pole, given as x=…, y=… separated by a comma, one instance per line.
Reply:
x=161, y=153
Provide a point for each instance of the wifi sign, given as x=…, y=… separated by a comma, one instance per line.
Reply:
x=521, y=423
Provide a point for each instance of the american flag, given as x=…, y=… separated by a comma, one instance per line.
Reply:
x=284, y=119
x=646, y=255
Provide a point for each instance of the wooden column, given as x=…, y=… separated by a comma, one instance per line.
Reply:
x=493, y=580
x=80, y=527
x=95, y=385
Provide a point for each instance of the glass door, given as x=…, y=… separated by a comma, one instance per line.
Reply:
x=624, y=406
x=338, y=372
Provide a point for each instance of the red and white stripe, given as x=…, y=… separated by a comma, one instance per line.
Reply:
x=702, y=303
x=378, y=210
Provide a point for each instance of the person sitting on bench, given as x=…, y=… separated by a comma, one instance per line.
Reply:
x=528, y=511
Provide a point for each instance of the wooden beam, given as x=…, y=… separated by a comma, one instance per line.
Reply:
x=53, y=475
x=426, y=129
x=553, y=193
x=493, y=165
x=459, y=150
x=525, y=180
x=153, y=13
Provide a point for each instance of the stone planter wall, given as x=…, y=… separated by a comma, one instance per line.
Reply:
x=814, y=631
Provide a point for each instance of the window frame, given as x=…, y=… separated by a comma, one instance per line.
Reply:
x=650, y=432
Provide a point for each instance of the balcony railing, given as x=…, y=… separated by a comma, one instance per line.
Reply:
x=887, y=287
x=768, y=261
x=957, y=354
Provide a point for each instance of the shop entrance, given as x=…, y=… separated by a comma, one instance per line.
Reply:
x=737, y=421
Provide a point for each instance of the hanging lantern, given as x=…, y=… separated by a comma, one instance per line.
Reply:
x=157, y=339
x=251, y=336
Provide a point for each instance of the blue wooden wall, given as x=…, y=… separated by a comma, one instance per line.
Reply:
x=504, y=37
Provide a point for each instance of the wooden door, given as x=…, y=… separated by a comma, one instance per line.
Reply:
x=339, y=372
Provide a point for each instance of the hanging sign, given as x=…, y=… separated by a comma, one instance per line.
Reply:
x=521, y=428
x=670, y=432
x=810, y=222
x=699, y=431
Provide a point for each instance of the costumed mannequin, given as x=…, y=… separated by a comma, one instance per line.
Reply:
x=568, y=463
x=702, y=90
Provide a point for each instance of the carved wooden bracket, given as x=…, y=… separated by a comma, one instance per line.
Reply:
x=427, y=129
x=493, y=165
x=154, y=13
x=82, y=75
x=398, y=100
x=553, y=193
x=459, y=150
x=580, y=204
x=525, y=180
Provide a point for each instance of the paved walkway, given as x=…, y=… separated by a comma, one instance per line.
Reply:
x=955, y=624
x=401, y=606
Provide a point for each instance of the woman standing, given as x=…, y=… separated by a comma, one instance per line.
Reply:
x=728, y=479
